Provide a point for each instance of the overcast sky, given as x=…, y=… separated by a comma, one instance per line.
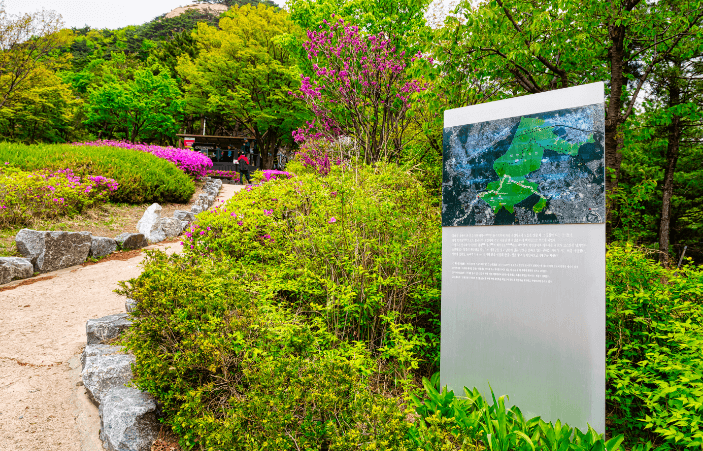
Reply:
x=100, y=13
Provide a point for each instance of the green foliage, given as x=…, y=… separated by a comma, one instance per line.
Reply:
x=30, y=46
x=654, y=337
x=141, y=105
x=401, y=21
x=44, y=112
x=298, y=316
x=634, y=220
x=181, y=44
x=360, y=248
x=142, y=177
x=135, y=41
x=645, y=162
x=472, y=422
x=519, y=43
x=34, y=104
x=243, y=75
x=236, y=372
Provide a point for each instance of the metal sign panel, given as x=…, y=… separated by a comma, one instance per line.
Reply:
x=523, y=256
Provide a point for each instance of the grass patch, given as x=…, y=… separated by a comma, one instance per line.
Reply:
x=143, y=177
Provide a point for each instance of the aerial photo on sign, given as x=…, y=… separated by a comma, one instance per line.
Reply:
x=544, y=168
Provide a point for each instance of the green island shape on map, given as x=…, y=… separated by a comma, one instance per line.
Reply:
x=523, y=157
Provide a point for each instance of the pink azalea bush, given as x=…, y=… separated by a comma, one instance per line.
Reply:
x=189, y=161
x=28, y=196
x=267, y=175
x=273, y=174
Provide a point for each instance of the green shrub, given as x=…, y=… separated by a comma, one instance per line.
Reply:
x=142, y=177
x=236, y=373
x=654, y=341
x=251, y=343
x=360, y=248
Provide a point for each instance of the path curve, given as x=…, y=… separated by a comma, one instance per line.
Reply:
x=43, y=404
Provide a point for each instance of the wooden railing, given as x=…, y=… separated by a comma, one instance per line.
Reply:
x=224, y=166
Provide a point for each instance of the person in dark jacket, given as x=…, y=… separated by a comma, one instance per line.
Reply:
x=243, y=168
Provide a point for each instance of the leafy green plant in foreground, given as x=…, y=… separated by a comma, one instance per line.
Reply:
x=360, y=248
x=234, y=371
x=251, y=344
x=471, y=420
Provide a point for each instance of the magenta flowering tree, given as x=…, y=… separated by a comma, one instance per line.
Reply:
x=362, y=88
x=313, y=153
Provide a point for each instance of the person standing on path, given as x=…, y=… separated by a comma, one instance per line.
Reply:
x=243, y=168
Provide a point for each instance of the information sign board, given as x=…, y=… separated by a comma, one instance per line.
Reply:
x=523, y=256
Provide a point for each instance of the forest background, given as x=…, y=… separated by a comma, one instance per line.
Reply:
x=240, y=72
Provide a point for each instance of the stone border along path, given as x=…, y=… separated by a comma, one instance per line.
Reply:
x=48, y=251
x=43, y=403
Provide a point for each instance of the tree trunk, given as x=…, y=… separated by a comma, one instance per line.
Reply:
x=672, y=155
x=267, y=160
x=613, y=139
x=133, y=134
x=267, y=144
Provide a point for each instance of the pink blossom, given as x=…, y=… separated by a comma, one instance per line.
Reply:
x=347, y=67
x=189, y=161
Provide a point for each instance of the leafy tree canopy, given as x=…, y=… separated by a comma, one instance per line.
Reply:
x=401, y=21
x=135, y=102
x=244, y=72
x=135, y=40
x=44, y=112
x=28, y=45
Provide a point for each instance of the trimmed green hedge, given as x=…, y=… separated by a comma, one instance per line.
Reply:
x=142, y=177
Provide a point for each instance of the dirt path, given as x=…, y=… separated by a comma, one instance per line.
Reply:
x=42, y=332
